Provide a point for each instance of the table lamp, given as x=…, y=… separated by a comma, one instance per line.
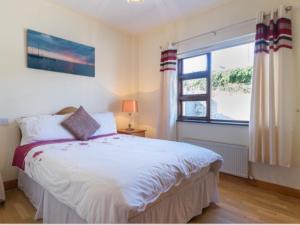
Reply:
x=129, y=106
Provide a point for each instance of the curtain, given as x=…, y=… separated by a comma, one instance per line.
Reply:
x=2, y=193
x=168, y=104
x=271, y=116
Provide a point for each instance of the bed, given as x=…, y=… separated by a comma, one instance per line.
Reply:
x=117, y=178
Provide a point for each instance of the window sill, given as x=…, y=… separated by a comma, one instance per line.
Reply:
x=230, y=123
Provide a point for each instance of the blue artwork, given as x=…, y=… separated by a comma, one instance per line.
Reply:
x=46, y=52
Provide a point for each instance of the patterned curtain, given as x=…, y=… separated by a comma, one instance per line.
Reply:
x=168, y=106
x=271, y=124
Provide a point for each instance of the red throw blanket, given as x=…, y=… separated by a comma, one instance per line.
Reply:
x=22, y=151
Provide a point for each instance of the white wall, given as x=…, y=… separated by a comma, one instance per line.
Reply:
x=148, y=82
x=26, y=91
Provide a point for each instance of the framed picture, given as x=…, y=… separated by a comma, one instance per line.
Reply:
x=46, y=52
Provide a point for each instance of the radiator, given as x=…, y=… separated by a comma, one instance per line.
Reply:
x=235, y=156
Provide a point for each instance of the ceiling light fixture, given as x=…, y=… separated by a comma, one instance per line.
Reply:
x=135, y=1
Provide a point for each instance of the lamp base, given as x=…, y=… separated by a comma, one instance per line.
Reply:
x=129, y=128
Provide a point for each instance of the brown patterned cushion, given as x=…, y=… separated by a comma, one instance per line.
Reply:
x=81, y=124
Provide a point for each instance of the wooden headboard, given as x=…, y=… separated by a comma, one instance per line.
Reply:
x=67, y=110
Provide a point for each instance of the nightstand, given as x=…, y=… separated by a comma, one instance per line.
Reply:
x=135, y=132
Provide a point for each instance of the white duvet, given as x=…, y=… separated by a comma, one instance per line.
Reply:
x=106, y=178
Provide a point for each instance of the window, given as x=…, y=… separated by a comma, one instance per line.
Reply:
x=216, y=86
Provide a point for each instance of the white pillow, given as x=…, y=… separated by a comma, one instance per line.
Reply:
x=48, y=127
x=42, y=128
x=107, y=123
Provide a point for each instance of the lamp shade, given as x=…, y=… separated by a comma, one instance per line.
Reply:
x=129, y=106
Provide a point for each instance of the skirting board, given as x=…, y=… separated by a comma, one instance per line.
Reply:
x=257, y=183
x=265, y=185
x=12, y=184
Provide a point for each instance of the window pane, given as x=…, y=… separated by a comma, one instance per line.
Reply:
x=232, y=70
x=194, y=108
x=194, y=87
x=195, y=64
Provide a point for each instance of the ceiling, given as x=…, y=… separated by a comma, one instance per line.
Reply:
x=138, y=17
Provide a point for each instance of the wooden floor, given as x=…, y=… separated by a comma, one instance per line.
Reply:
x=240, y=203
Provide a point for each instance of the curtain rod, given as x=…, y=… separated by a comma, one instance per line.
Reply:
x=214, y=32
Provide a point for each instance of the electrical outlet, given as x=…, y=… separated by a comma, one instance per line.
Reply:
x=3, y=121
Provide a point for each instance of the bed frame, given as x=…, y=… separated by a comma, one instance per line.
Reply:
x=66, y=110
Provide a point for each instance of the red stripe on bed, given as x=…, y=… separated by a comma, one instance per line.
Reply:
x=22, y=151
